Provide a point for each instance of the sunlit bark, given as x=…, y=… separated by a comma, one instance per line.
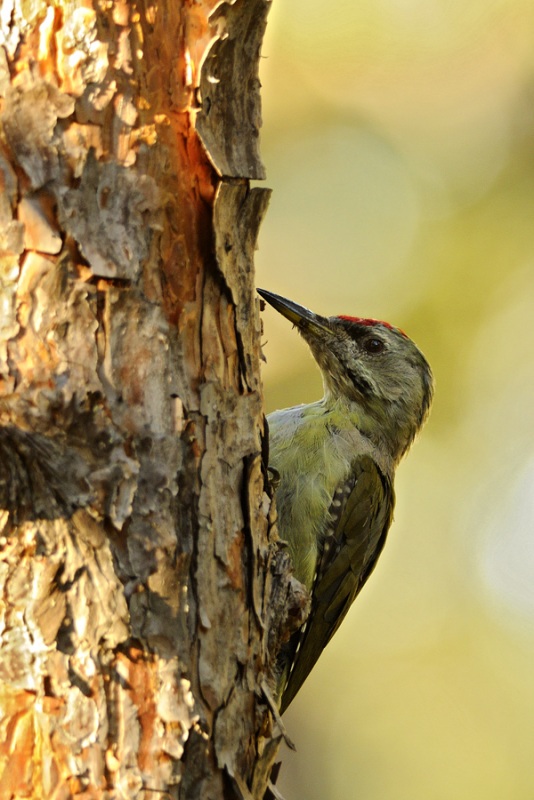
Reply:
x=135, y=560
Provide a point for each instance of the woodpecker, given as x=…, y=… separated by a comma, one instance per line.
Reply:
x=334, y=462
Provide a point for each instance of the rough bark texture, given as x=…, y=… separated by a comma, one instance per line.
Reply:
x=137, y=603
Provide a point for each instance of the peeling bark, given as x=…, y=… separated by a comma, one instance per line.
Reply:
x=229, y=120
x=141, y=598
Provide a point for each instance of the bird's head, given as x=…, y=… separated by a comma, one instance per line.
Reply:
x=371, y=367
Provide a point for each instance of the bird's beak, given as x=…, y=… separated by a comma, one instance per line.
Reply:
x=300, y=316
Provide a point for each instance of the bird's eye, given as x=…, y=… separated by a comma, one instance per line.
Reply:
x=373, y=345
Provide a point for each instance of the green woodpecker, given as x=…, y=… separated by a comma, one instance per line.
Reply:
x=334, y=462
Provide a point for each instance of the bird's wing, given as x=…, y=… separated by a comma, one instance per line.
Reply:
x=361, y=513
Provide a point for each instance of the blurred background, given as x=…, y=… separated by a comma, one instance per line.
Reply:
x=398, y=137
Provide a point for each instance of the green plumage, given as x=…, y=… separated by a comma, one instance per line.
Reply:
x=336, y=460
x=348, y=556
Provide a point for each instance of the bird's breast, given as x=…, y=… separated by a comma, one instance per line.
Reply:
x=312, y=451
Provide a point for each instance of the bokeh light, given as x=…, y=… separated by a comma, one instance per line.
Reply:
x=399, y=141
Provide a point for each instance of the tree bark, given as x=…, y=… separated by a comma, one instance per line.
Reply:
x=141, y=600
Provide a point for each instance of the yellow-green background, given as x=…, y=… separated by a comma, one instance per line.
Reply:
x=399, y=140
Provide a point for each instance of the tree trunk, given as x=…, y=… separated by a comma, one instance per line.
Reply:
x=139, y=610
